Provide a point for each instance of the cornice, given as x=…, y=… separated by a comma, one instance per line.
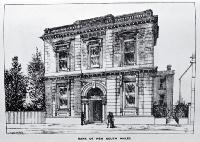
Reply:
x=151, y=70
x=99, y=24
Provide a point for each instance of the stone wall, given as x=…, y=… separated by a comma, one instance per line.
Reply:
x=167, y=91
x=145, y=46
x=109, y=49
x=113, y=84
x=145, y=94
x=50, y=57
x=169, y=85
x=72, y=55
x=111, y=94
x=77, y=46
x=77, y=97
x=48, y=98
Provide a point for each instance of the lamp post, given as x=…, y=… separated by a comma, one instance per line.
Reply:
x=192, y=62
x=193, y=65
x=180, y=95
x=192, y=107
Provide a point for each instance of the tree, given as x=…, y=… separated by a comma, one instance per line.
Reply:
x=36, y=82
x=15, y=84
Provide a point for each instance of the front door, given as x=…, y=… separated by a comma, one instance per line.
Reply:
x=97, y=110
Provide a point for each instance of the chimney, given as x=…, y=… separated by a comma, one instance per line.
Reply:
x=169, y=67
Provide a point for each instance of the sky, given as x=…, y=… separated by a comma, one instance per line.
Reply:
x=24, y=24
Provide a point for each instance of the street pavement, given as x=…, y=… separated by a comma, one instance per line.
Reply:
x=100, y=128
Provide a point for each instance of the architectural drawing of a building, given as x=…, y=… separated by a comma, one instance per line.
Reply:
x=105, y=64
x=100, y=71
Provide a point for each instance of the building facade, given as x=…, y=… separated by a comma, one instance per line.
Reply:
x=163, y=88
x=104, y=64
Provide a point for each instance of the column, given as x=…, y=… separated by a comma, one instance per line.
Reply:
x=54, y=108
x=103, y=112
x=86, y=115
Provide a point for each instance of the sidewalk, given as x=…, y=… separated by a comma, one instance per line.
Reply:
x=100, y=128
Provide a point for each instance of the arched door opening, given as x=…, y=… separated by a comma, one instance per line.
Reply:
x=93, y=107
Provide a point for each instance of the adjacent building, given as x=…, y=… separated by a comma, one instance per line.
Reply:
x=105, y=64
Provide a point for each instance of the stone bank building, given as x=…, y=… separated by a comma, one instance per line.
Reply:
x=105, y=64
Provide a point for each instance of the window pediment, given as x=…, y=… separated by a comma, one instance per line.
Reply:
x=62, y=46
x=126, y=35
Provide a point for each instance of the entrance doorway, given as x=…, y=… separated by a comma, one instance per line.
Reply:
x=94, y=108
x=97, y=110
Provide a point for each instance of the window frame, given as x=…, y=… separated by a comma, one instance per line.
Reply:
x=133, y=52
x=63, y=47
x=162, y=84
x=127, y=36
x=161, y=99
x=67, y=60
x=99, y=44
x=63, y=85
x=135, y=95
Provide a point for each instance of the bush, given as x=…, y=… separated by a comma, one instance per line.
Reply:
x=159, y=111
x=181, y=110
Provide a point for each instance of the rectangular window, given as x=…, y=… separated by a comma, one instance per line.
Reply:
x=63, y=97
x=95, y=56
x=128, y=46
x=94, y=52
x=129, y=52
x=161, y=99
x=62, y=49
x=64, y=61
x=130, y=92
x=162, y=83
